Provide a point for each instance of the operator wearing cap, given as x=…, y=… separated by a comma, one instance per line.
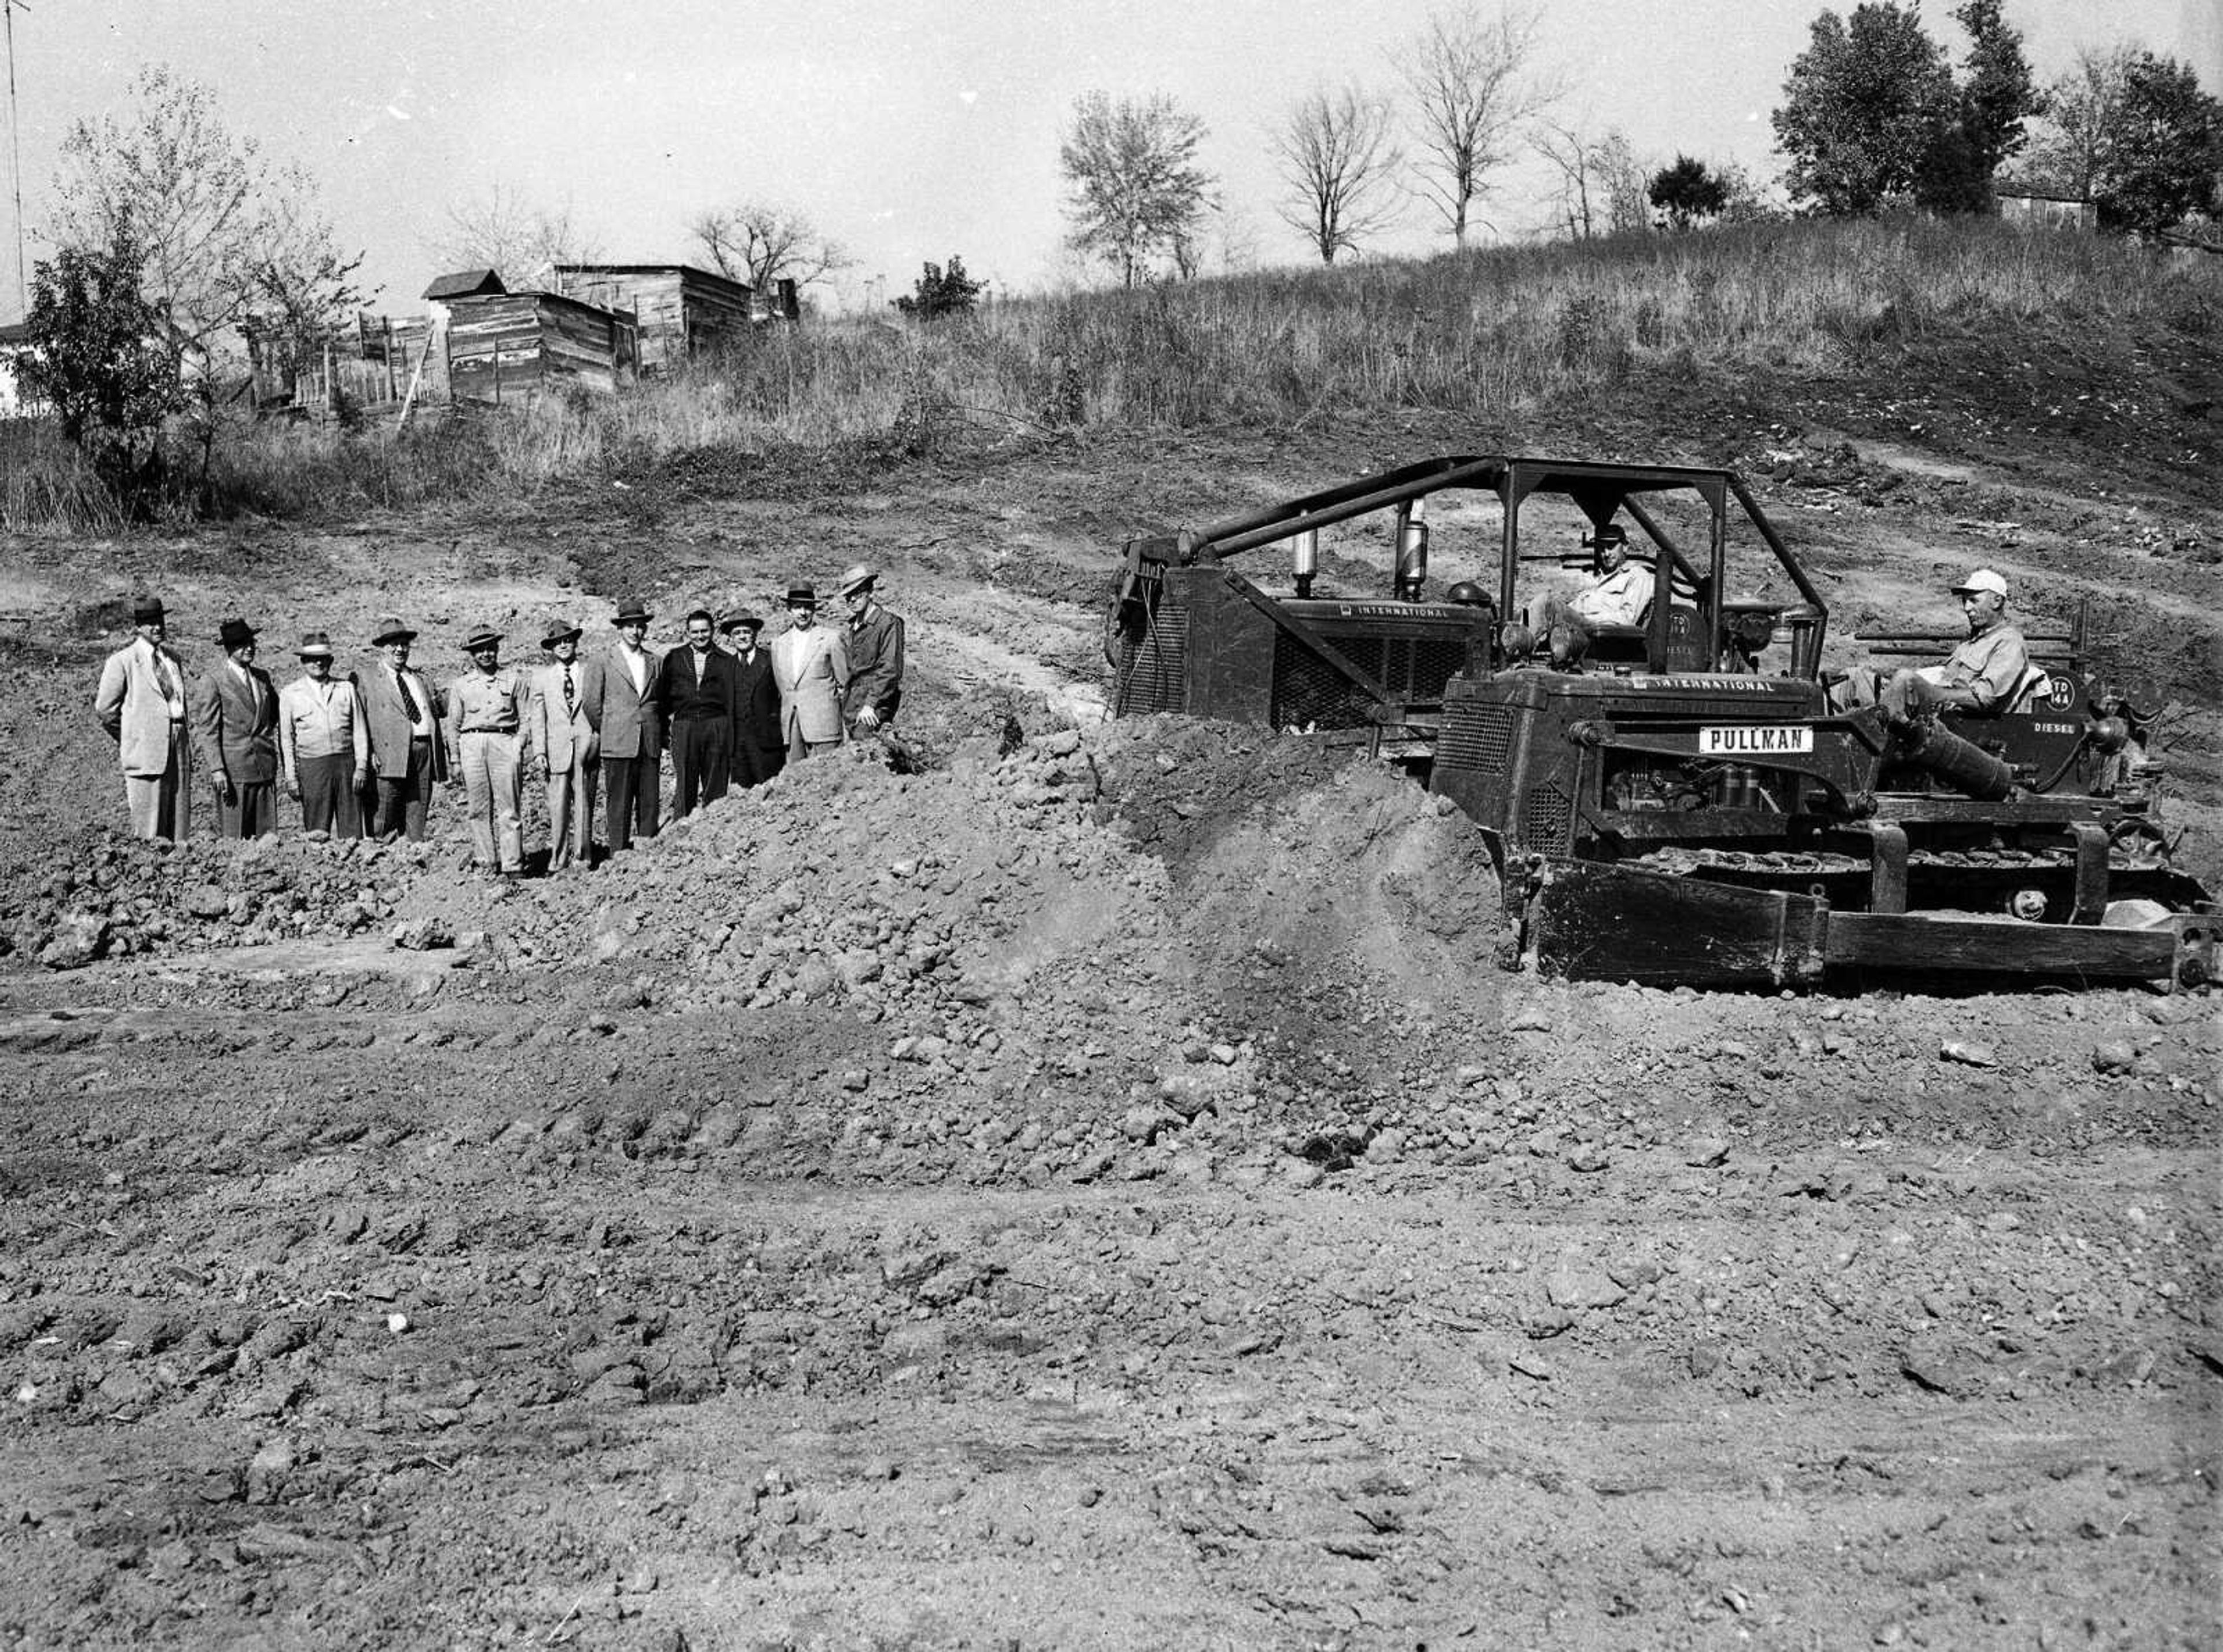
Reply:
x=1982, y=674
x=1618, y=596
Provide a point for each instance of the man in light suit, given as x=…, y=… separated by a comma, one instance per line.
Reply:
x=621, y=705
x=408, y=746
x=141, y=702
x=237, y=711
x=810, y=662
x=565, y=740
x=757, y=753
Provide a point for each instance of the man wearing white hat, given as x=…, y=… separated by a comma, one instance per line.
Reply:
x=324, y=742
x=1984, y=674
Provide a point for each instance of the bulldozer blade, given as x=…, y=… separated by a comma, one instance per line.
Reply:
x=1592, y=921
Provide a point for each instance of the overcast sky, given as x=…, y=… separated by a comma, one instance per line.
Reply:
x=911, y=129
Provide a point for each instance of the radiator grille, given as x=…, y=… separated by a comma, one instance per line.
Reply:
x=1154, y=667
x=1479, y=738
x=1308, y=692
x=1544, y=823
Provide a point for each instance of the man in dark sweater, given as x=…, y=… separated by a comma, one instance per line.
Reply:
x=876, y=655
x=697, y=696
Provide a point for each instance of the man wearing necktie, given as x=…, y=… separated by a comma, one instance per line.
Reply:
x=142, y=703
x=408, y=751
x=237, y=712
x=565, y=741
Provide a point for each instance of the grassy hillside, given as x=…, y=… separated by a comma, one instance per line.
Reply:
x=1971, y=338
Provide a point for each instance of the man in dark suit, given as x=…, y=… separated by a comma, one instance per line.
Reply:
x=238, y=710
x=697, y=694
x=758, y=752
x=408, y=747
x=620, y=697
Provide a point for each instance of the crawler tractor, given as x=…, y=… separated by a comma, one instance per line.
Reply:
x=1678, y=804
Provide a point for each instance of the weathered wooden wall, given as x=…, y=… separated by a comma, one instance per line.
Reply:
x=507, y=346
x=680, y=311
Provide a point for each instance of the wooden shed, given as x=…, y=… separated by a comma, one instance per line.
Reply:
x=681, y=311
x=2039, y=209
x=505, y=345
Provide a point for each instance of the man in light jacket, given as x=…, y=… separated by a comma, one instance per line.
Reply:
x=565, y=740
x=324, y=740
x=408, y=747
x=620, y=702
x=141, y=702
x=810, y=662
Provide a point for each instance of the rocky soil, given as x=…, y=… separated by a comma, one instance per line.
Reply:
x=1096, y=1189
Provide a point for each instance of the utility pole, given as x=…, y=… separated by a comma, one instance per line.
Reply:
x=8, y=9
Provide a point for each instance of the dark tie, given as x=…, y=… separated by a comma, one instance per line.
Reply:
x=570, y=694
x=408, y=699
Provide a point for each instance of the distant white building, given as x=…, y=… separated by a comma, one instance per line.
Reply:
x=14, y=340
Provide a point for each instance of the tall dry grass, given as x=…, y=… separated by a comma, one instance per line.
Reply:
x=1489, y=334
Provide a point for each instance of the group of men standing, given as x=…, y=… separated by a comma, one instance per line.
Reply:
x=361, y=754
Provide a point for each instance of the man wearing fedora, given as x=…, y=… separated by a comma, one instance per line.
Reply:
x=876, y=654
x=238, y=710
x=620, y=704
x=408, y=750
x=758, y=754
x=141, y=702
x=565, y=742
x=810, y=663
x=486, y=706
x=324, y=742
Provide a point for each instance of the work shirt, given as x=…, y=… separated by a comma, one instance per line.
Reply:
x=322, y=720
x=1619, y=598
x=1990, y=667
x=480, y=704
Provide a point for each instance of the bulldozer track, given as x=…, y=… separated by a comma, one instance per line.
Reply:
x=1688, y=861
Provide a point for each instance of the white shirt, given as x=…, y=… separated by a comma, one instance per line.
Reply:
x=420, y=696
x=636, y=665
x=166, y=673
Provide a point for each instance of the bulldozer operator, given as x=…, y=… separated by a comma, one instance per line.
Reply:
x=1618, y=596
x=1984, y=674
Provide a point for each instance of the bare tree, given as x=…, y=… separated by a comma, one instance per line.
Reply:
x=227, y=236
x=762, y=243
x=1339, y=157
x=1476, y=81
x=2081, y=112
x=1137, y=191
x=1601, y=183
x=520, y=241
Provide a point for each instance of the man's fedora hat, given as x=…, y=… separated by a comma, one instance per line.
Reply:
x=802, y=596
x=315, y=645
x=742, y=620
x=559, y=632
x=484, y=637
x=632, y=613
x=147, y=611
x=857, y=577
x=391, y=630
x=234, y=633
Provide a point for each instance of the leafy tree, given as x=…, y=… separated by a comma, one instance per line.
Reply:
x=1688, y=191
x=2134, y=134
x=223, y=235
x=1137, y=189
x=1339, y=159
x=763, y=243
x=1475, y=82
x=941, y=292
x=1862, y=107
x=1998, y=95
x=99, y=353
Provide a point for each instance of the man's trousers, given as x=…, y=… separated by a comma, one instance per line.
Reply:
x=491, y=793
x=328, y=797
x=699, y=760
x=402, y=797
x=162, y=806
x=571, y=813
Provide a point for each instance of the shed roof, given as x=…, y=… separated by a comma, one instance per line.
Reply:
x=711, y=276
x=465, y=284
x=15, y=335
